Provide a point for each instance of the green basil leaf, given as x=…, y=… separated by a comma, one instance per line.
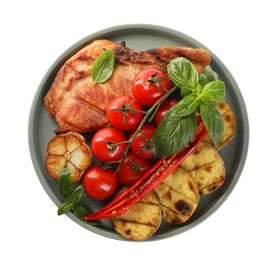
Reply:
x=76, y=195
x=213, y=91
x=103, y=67
x=211, y=75
x=183, y=74
x=173, y=133
x=186, y=106
x=212, y=120
x=80, y=211
x=65, y=207
x=203, y=80
x=64, y=183
x=207, y=76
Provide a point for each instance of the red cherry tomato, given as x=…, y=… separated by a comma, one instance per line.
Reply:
x=142, y=144
x=104, y=145
x=149, y=86
x=132, y=168
x=163, y=110
x=99, y=184
x=123, y=112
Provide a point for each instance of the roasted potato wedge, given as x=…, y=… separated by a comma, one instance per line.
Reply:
x=179, y=196
x=206, y=166
x=229, y=122
x=141, y=220
x=68, y=150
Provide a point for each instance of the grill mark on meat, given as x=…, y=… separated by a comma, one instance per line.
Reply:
x=92, y=106
x=179, y=54
x=80, y=74
x=160, y=60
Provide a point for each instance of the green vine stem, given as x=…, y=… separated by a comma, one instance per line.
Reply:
x=150, y=113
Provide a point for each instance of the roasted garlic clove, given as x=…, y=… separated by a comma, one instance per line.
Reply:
x=68, y=150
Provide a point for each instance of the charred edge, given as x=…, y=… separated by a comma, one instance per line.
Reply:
x=160, y=60
x=183, y=207
x=180, y=54
x=152, y=51
x=57, y=132
x=134, y=222
x=122, y=54
x=123, y=43
x=121, y=50
x=177, y=216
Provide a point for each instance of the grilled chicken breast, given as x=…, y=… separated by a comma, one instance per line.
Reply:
x=79, y=105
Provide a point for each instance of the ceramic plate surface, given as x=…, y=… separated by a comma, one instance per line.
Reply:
x=142, y=37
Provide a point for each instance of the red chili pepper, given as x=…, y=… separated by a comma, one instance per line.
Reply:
x=149, y=180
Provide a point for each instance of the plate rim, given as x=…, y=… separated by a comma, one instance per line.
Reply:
x=78, y=45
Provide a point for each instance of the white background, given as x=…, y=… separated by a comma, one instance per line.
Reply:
x=34, y=33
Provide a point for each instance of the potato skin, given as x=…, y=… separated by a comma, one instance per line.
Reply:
x=179, y=196
x=141, y=220
x=206, y=166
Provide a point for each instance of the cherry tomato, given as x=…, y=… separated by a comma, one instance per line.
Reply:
x=149, y=86
x=123, y=112
x=98, y=183
x=104, y=145
x=132, y=168
x=163, y=110
x=142, y=144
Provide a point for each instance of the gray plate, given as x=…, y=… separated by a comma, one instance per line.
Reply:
x=142, y=37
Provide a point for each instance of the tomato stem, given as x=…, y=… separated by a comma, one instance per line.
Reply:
x=156, y=81
x=111, y=145
x=150, y=113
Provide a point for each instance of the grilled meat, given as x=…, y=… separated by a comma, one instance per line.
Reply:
x=79, y=105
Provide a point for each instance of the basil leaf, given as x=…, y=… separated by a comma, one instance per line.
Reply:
x=183, y=74
x=80, y=211
x=207, y=76
x=64, y=183
x=203, y=80
x=212, y=120
x=65, y=207
x=213, y=91
x=76, y=195
x=186, y=106
x=210, y=74
x=103, y=67
x=173, y=133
